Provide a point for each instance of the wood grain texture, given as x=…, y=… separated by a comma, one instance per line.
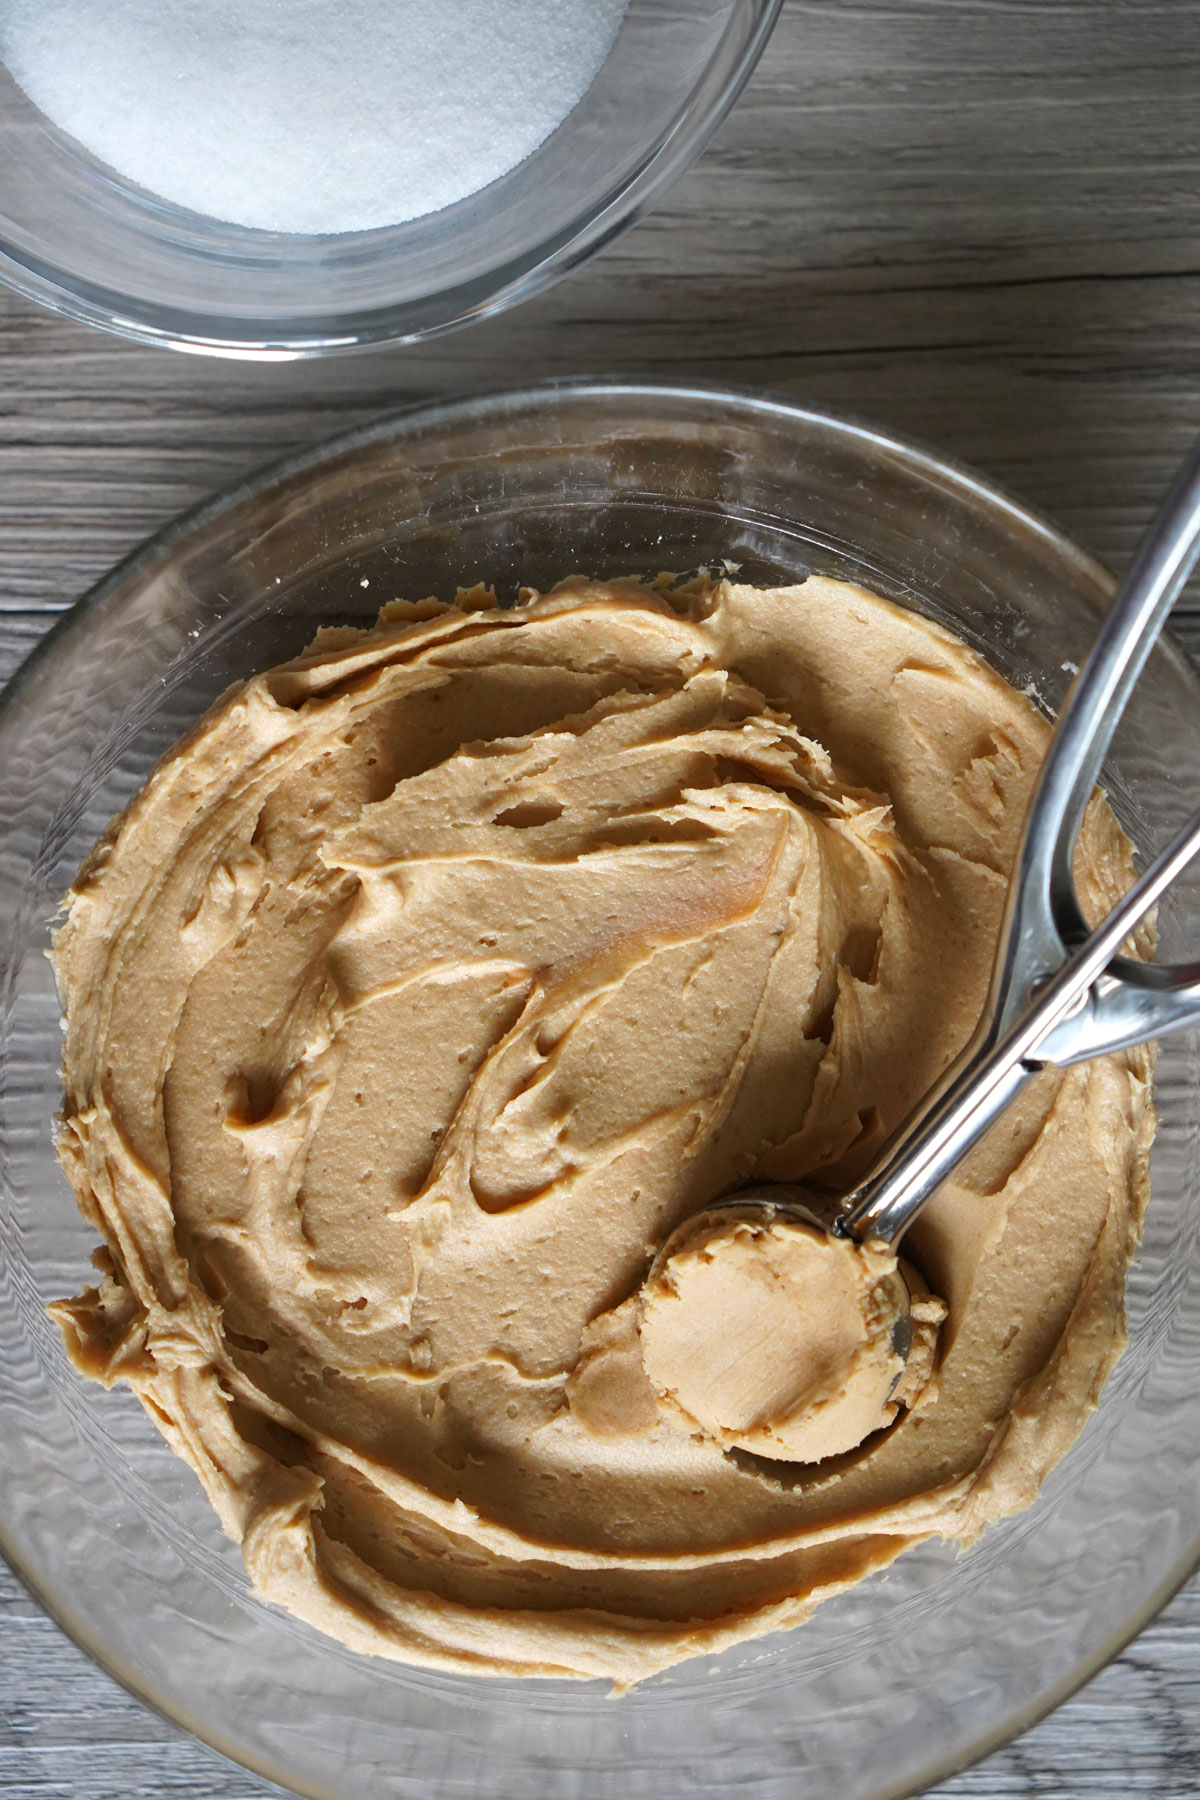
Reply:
x=976, y=221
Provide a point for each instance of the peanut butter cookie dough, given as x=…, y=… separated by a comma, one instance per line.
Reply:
x=777, y=1338
x=438, y=976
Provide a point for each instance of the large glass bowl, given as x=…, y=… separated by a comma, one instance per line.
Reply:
x=915, y=1671
x=77, y=236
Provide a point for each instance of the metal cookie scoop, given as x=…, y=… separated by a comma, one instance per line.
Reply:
x=1059, y=993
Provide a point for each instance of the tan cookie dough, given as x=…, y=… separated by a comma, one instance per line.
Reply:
x=778, y=1339
x=438, y=976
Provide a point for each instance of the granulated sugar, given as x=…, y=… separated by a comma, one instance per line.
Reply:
x=308, y=115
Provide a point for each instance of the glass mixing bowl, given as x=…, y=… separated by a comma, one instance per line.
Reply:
x=916, y=1670
x=77, y=236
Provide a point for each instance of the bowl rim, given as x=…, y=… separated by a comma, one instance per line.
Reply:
x=419, y=419
x=679, y=144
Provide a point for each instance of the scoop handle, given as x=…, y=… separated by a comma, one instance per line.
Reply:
x=1045, y=958
x=1053, y=1029
x=1042, y=919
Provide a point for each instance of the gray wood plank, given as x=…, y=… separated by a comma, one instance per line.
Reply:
x=976, y=221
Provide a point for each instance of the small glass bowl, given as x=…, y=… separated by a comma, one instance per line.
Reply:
x=915, y=1671
x=78, y=237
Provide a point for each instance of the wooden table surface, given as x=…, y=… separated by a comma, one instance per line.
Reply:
x=976, y=221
